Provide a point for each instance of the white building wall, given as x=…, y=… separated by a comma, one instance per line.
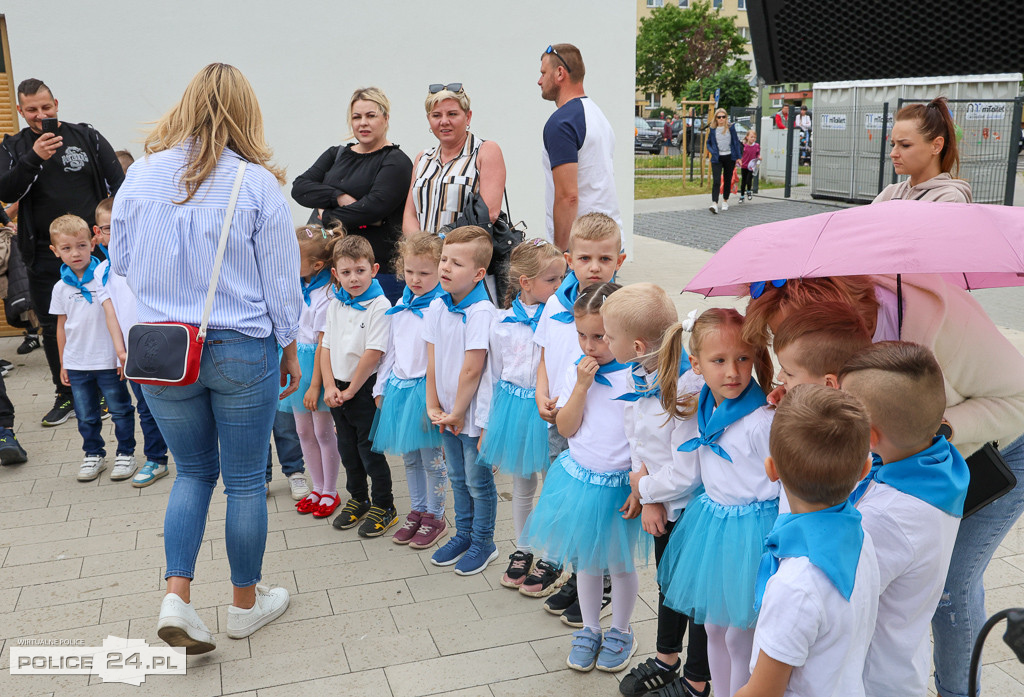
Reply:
x=118, y=64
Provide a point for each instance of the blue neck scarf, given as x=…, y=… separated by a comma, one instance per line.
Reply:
x=319, y=281
x=566, y=294
x=69, y=277
x=416, y=304
x=937, y=475
x=830, y=538
x=712, y=422
x=520, y=315
x=369, y=294
x=611, y=367
x=106, y=255
x=641, y=388
x=477, y=295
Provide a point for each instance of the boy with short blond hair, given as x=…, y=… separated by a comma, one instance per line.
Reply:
x=812, y=345
x=593, y=258
x=354, y=340
x=817, y=587
x=457, y=331
x=91, y=347
x=912, y=503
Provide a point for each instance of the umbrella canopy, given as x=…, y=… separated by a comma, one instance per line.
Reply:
x=971, y=245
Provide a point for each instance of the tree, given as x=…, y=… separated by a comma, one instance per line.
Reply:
x=733, y=81
x=675, y=47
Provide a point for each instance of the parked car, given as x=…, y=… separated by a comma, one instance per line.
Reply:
x=646, y=139
x=659, y=125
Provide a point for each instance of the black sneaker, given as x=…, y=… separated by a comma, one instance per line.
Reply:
x=378, y=521
x=573, y=615
x=104, y=412
x=545, y=579
x=62, y=409
x=645, y=677
x=679, y=688
x=351, y=514
x=519, y=565
x=563, y=599
x=5, y=367
x=11, y=452
x=30, y=344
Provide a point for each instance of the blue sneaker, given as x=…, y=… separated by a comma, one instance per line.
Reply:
x=585, y=645
x=476, y=559
x=150, y=472
x=616, y=650
x=451, y=552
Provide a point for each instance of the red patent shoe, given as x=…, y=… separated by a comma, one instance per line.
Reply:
x=308, y=504
x=328, y=503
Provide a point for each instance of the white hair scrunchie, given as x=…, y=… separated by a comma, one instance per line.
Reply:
x=689, y=321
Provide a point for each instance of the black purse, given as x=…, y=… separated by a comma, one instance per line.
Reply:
x=990, y=478
x=504, y=235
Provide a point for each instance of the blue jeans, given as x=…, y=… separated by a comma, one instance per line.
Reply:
x=427, y=479
x=961, y=612
x=153, y=444
x=289, y=451
x=86, y=387
x=229, y=410
x=476, y=499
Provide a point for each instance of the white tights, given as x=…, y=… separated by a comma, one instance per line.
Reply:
x=523, y=493
x=590, y=588
x=319, y=449
x=729, y=651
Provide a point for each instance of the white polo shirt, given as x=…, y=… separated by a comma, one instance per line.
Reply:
x=349, y=333
x=89, y=345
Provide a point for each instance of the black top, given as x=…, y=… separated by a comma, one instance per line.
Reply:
x=378, y=180
x=83, y=172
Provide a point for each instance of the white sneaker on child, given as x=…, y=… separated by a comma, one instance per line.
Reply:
x=299, y=487
x=91, y=467
x=124, y=467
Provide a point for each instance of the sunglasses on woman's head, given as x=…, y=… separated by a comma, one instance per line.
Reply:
x=550, y=50
x=451, y=87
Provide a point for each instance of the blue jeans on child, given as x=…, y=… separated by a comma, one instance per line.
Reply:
x=476, y=498
x=961, y=612
x=289, y=450
x=427, y=478
x=86, y=387
x=153, y=445
x=229, y=411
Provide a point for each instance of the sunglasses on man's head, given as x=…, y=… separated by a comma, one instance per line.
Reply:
x=451, y=87
x=550, y=50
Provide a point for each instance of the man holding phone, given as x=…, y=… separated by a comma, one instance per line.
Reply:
x=50, y=168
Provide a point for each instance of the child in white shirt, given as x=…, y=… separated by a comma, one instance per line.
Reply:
x=91, y=347
x=817, y=586
x=457, y=333
x=402, y=426
x=355, y=337
x=911, y=501
x=153, y=445
x=518, y=445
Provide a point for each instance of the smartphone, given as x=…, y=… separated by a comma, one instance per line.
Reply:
x=50, y=126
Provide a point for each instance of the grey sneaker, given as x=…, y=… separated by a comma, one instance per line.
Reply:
x=91, y=467
x=270, y=604
x=124, y=467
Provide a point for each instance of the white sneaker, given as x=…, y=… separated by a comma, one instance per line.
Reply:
x=179, y=625
x=91, y=467
x=725, y=205
x=713, y=208
x=270, y=604
x=124, y=467
x=300, y=488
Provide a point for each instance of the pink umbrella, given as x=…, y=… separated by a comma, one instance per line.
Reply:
x=971, y=245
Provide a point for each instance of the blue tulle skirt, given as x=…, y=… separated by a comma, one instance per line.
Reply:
x=577, y=521
x=517, y=438
x=307, y=361
x=710, y=564
x=401, y=424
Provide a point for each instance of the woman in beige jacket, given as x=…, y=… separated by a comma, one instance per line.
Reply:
x=924, y=149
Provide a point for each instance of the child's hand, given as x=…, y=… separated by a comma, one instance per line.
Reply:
x=453, y=423
x=347, y=395
x=548, y=409
x=631, y=509
x=64, y=379
x=310, y=399
x=332, y=396
x=776, y=395
x=653, y=518
x=635, y=477
x=585, y=371
x=436, y=415
x=378, y=400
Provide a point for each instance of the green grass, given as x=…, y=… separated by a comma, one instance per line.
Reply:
x=660, y=161
x=662, y=188
x=803, y=169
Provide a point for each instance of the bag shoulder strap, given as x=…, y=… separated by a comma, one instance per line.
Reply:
x=222, y=246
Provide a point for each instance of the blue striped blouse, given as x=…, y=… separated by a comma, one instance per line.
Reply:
x=166, y=250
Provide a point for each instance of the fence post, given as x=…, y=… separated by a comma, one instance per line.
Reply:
x=881, y=154
x=1011, y=164
x=789, y=153
x=757, y=127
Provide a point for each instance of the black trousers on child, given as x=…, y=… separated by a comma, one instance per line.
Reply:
x=672, y=626
x=353, y=421
x=746, y=181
